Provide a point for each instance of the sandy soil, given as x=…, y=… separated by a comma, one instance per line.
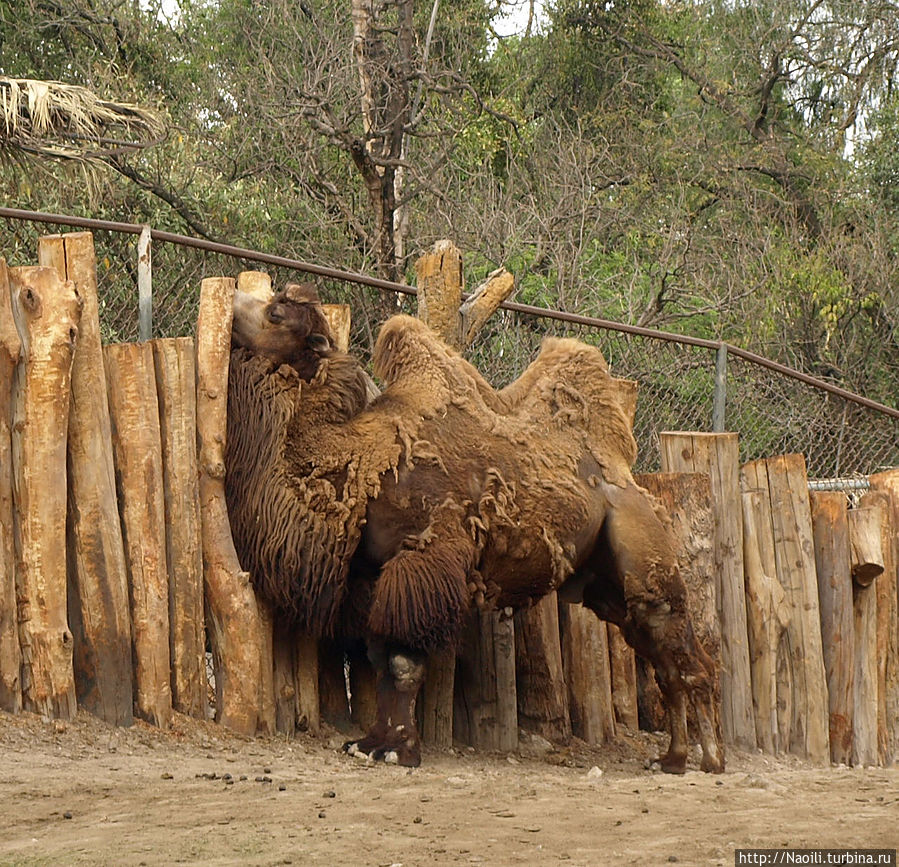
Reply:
x=85, y=793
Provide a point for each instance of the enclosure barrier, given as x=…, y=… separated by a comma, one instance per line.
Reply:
x=795, y=592
x=687, y=383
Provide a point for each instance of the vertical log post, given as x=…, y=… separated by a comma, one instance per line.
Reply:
x=46, y=312
x=886, y=624
x=830, y=524
x=785, y=481
x=234, y=621
x=888, y=483
x=686, y=499
x=766, y=617
x=176, y=388
x=623, y=666
x=97, y=576
x=134, y=413
x=440, y=282
x=864, y=712
x=10, y=652
x=585, y=661
x=865, y=544
x=718, y=455
x=484, y=717
x=542, y=694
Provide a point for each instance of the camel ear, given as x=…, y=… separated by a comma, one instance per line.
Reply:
x=318, y=343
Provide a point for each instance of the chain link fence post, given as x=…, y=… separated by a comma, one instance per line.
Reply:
x=719, y=399
x=144, y=284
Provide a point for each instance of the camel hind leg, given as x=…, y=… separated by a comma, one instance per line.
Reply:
x=640, y=588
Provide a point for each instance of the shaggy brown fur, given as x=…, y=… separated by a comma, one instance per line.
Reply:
x=444, y=490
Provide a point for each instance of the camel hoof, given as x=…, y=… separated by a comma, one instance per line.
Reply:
x=711, y=765
x=673, y=764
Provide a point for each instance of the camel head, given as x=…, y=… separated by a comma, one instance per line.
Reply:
x=290, y=328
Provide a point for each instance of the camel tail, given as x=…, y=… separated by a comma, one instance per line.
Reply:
x=421, y=597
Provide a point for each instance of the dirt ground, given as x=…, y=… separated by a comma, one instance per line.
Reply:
x=86, y=793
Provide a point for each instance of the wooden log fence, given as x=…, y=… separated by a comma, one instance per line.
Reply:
x=796, y=593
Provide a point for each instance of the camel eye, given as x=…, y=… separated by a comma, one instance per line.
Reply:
x=275, y=313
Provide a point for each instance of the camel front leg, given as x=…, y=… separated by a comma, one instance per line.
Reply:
x=394, y=738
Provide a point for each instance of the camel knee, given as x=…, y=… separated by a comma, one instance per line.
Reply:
x=407, y=669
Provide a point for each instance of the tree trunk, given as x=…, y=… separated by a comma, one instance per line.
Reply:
x=888, y=483
x=830, y=524
x=10, y=652
x=784, y=479
x=483, y=697
x=306, y=656
x=687, y=500
x=339, y=318
x=439, y=280
x=46, y=311
x=134, y=412
x=437, y=700
x=624, y=679
x=864, y=716
x=886, y=624
x=542, y=704
x=332, y=684
x=486, y=714
x=483, y=303
x=718, y=455
x=97, y=576
x=865, y=544
x=766, y=616
x=235, y=623
x=588, y=676
x=176, y=386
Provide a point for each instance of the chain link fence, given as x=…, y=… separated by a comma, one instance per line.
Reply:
x=774, y=413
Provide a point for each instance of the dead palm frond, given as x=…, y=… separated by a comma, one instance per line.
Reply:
x=52, y=119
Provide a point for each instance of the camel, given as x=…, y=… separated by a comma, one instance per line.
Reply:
x=389, y=518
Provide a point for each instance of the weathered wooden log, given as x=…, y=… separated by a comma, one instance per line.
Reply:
x=888, y=599
x=363, y=696
x=540, y=680
x=624, y=679
x=886, y=622
x=686, y=502
x=308, y=705
x=46, y=311
x=830, y=524
x=97, y=576
x=784, y=478
x=864, y=712
x=718, y=455
x=10, y=652
x=255, y=283
x=588, y=676
x=483, y=303
x=133, y=409
x=766, y=616
x=176, y=387
x=332, y=684
x=485, y=705
x=285, y=680
x=234, y=621
x=439, y=282
x=339, y=318
x=436, y=705
x=865, y=544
